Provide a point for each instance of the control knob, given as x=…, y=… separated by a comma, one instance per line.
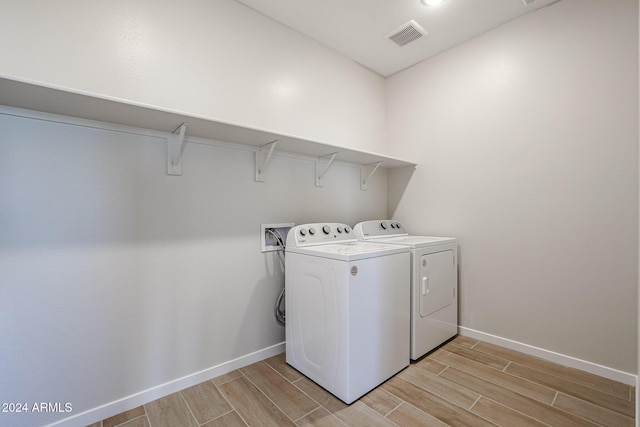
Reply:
x=326, y=229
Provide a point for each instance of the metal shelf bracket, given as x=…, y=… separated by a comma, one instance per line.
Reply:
x=175, y=149
x=263, y=157
x=321, y=170
x=366, y=172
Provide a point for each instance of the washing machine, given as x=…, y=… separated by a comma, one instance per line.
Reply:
x=434, y=282
x=347, y=325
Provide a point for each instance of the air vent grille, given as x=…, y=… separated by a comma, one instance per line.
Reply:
x=407, y=33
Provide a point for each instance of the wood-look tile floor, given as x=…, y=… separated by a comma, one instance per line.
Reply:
x=464, y=383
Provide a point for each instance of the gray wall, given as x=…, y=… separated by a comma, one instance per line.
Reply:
x=117, y=278
x=526, y=140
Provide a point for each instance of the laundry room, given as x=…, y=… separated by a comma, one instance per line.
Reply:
x=131, y=264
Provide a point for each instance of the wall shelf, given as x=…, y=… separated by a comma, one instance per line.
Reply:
x=62, y=101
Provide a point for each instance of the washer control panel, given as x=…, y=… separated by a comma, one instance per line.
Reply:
x=319, y=234
x=379, y=228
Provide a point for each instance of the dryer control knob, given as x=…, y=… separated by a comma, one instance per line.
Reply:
x=312, y=231
x=303, y=232
x=339, y=229
x=347, y=230
x=326, y=229
x=383, y=225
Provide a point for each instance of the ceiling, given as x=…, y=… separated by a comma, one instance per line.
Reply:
x=359, y=28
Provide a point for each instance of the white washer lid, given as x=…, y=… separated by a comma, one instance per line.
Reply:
x=350, y=251
x=414, y=241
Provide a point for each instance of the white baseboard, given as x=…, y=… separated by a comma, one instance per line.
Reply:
x=572, y=362
x=135, y=400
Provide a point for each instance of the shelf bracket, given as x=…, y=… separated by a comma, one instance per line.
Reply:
x=366, y=172
x=175, y=148
x=263, y=157
x=322, y=171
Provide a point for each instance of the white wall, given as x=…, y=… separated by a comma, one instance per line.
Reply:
x=526, y=140
x=212, y=58
x=117, y=278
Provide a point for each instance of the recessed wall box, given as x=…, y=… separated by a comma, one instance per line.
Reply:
x=270, y=242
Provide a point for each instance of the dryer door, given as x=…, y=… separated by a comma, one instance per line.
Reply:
x=437, y=282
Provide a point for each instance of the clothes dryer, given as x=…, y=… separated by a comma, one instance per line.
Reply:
x=347, y=325
x=434, y=282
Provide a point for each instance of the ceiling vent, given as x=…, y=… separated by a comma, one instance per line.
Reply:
x=407, y=33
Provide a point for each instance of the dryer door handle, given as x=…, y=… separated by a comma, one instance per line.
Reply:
x=425, y=285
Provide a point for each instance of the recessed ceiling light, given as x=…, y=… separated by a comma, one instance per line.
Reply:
x=431, y=2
